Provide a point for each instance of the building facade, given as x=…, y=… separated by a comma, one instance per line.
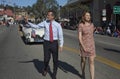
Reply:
x=19, y=14
x=102, y=11
x=6, y=14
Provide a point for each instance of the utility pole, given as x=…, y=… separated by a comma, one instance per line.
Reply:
x=4, y=8
x=3, y=1
x=104, y=16
x=14, y=11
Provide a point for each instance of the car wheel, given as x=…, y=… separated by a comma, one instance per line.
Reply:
x=27, y=41
x=37, y=38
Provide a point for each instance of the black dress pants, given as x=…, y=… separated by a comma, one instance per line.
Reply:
x=51, y=48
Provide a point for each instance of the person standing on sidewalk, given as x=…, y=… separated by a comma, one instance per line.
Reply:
x=87, y=46
x=53, y=40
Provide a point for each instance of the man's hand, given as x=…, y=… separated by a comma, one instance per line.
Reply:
x=60, y=49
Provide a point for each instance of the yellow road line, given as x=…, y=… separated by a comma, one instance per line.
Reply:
x=108, y=62
x=98, y=58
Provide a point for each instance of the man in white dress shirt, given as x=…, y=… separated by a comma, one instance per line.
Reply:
x=53, y=40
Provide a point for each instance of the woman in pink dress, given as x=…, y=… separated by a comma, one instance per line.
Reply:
x=87, y=46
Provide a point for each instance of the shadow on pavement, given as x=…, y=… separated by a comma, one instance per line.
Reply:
x=112, y=50
x=39, y=65
x=65, y=67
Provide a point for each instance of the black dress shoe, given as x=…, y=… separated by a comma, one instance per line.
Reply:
x=44, y=73
x=83, y=76
x=54, y=77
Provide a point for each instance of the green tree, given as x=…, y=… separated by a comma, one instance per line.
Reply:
x=42, y=6
x=9, y=7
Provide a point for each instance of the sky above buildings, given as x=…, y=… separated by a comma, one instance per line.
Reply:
x=27, y=2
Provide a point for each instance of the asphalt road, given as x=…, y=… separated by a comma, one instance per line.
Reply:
x=20, y=61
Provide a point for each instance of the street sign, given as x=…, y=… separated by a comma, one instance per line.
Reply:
x=116, y=9
x=104, y=12
x=104, y=18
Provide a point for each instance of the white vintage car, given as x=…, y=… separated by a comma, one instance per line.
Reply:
x=32, y=34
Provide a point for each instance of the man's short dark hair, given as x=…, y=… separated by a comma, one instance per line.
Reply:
x=53, y=12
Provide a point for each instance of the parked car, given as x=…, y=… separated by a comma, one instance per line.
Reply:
x=32, y=34
x=67, y=25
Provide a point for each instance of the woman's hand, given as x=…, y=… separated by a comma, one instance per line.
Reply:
x=84, y=49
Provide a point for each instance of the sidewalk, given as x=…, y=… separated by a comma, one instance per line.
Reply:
x=107, y=40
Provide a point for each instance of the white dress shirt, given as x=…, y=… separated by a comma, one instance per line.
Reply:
x=56, y=27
